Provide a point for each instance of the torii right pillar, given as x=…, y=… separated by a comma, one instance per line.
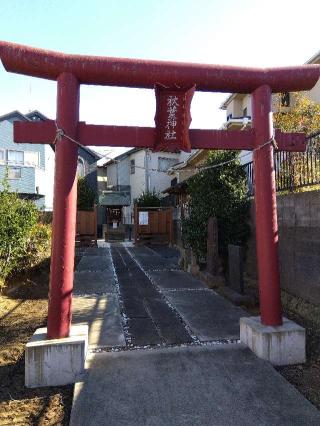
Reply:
x=266, y=209
x=270, y=336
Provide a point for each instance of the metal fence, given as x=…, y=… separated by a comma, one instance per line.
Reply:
x=293, y=169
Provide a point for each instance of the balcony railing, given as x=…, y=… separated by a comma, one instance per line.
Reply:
x=116, y=188
x=230, y=117
x=293, y=170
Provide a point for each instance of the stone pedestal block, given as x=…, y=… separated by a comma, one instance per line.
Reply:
x=55, y=362
x=282, y=345
x=193, y=267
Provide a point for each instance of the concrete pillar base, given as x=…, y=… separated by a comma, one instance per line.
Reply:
x=55, y=362
x=282, y=345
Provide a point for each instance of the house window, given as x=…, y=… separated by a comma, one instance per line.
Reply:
x=165, y=163
x=14, y=173
x=132, y=166
x=15, y=157
x=80, y=167
x=245, y=112
x=174, y=182
x=31, y=158
x=2, y=156
x=285, y=99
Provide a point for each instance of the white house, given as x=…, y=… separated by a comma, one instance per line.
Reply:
x=124, y=178
x=239, y=112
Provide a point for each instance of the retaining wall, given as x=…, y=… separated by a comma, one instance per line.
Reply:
x=299, y=245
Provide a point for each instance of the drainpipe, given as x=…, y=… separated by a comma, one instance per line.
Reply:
x=117, y=175
x=146, y=165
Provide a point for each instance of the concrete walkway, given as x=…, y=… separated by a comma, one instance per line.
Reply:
x=164, y=350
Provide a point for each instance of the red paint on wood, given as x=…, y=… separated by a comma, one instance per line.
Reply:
x=144, y=137
x=34, y=132
x=221, y=139
x=99, y=135
x=64, y=210
x=146, y=73
x=295, y=141
x=173, y=119
x=266, y=210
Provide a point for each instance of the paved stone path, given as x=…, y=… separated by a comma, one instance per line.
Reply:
x=164, y=349
x=150, y=319
x=139, y=297
x=96, y=300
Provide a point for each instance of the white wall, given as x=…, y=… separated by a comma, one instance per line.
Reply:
x=123, y=172
x=160, y=180
x=138, y=178
x=314, y=93
x=112, y=174
x=44, y=179
x=118, y=173
x=102, y=179
x=246, y=103
x=238, y=104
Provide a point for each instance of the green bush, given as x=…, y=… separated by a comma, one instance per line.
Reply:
x=37, y=248
x=220, y=192
x=20, y=234
x=149, y=199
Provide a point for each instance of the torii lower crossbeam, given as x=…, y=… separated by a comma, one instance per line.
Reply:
x=144, y=137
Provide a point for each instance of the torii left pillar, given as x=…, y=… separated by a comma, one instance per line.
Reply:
x=56, y=355
x=64, y=209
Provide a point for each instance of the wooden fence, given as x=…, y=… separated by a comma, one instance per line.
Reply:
x=86, y=228
x=153, y=224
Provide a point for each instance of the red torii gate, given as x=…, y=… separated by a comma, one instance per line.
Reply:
x=72, y=70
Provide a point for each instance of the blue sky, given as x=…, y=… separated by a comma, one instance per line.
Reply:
x=250, y=32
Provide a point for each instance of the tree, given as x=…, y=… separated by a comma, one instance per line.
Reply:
x=149, y=199
x=302, y=116
x=221, y=192
x=86, y=195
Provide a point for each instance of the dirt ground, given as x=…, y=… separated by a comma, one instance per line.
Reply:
x=306, y=377
x=23, y=308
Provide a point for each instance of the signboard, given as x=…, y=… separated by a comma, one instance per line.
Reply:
x=173, y=118
x=143, y=218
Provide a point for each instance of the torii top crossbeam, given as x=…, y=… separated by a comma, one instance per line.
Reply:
x=146, y=73
x=72, y=70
